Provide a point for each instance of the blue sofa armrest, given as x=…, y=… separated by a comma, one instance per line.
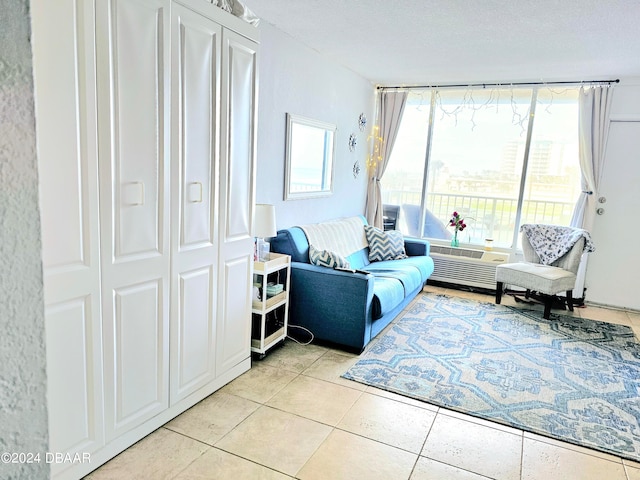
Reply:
x=416, y=246
x=335, y=306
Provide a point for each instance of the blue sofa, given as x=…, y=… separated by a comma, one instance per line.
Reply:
x=349, y=309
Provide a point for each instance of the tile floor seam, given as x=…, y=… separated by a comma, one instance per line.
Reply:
x=314, y=452
x=626, y=471
x=355, y=389
x=278, y=391
x=631, y=463
x=290, y=413
x=194, y=460
x=481, y=421
x=360, y=393
x=460, y=467
x=252, y=461
x=574, y=447
x=237, y=396
x=522, y=457
x=334, y=429
x=424, y=442
x=187, y=436
x=413, y=469
x=376, y=440
x=228, y=452
x=222, y=437
x=429, y=406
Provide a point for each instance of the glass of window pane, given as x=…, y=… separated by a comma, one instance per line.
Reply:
x=486, y=155
x=403, y=179
x=552, y=184
x=476, y=152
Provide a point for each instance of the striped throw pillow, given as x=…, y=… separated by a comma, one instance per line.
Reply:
x=324, y=258
x=384, y=245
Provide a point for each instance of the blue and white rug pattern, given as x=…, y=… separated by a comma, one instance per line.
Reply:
x=568, y=378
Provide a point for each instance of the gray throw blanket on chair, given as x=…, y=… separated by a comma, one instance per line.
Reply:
x=551, y=242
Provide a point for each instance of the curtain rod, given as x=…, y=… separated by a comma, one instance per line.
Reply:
x=484, y=85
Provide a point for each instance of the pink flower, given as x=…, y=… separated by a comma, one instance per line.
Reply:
x=457, y=222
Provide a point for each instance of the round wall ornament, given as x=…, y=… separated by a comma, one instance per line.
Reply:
x=353, y=141
x=362, y=122
x=356, y=169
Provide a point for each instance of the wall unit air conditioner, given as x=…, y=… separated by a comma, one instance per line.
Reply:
x=466, y=266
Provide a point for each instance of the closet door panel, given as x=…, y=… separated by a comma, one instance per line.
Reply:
x=239, y=97
x=138, y=108
x=66, y=137
x=199, y=74
x=133, y=76
x=234, y=328
x=242, y=73
x=196, y=337
x=65, y=106
x=138, y=360
x=74, y=366
x=195, y=53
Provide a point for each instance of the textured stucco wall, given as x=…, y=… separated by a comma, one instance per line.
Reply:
x=23, y=412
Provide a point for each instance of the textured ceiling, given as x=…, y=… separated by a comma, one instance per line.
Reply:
x=449, y=41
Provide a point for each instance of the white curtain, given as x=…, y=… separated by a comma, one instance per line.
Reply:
x=593, y=127
x=391, y=108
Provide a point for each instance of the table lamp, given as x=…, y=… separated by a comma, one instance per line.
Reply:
x=264, y=225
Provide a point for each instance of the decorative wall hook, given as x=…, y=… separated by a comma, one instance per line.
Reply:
x=353, y=141
x=362, y=122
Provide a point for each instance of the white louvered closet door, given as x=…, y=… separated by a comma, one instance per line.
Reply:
x=133, y=104
x=195, y=53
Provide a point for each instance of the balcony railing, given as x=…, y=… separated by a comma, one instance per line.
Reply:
x=486, y=217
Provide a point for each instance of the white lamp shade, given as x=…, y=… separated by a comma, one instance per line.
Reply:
x=264, y=221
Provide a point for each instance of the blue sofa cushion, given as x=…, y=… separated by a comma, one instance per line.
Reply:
x=359, y=260
x=388, y=292
x=423, y=265
x=408, y=275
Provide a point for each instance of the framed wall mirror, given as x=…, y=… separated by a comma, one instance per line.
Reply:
x=309, y=158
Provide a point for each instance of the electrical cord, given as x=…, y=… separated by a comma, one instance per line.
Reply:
x=275, y=314
x=298, y=341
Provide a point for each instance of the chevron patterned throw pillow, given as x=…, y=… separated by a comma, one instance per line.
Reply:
x=324, y=258
x=384, y=245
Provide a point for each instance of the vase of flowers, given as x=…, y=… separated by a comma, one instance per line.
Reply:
x=457, y=222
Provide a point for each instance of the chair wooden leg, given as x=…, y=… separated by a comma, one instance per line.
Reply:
x=498, y=292
x=570, y=300
x=547, y=307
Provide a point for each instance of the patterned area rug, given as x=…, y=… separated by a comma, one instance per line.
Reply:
x=568, y=378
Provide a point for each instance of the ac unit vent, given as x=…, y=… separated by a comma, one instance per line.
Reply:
x=457, y=252
x=466, y=266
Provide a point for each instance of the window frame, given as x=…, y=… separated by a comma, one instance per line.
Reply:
x=523, y=171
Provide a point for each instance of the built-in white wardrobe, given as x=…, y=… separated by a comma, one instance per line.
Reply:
x=145, y=114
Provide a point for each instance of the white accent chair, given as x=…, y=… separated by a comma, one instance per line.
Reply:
x=547, y=280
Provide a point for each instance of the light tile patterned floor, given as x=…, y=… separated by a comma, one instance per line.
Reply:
x=292, y=416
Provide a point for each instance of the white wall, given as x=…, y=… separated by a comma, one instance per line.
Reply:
x=296, y=79
x=23, y=381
